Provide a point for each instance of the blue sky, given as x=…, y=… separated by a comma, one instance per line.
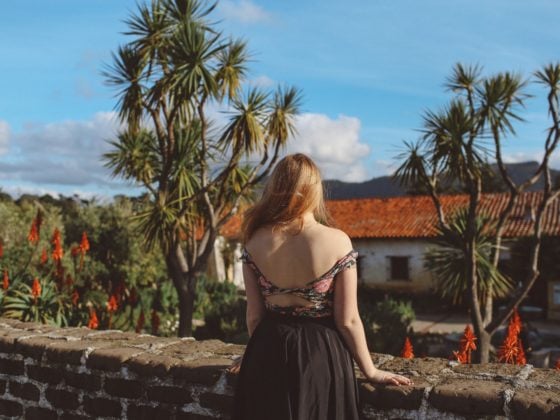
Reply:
x=368, y=69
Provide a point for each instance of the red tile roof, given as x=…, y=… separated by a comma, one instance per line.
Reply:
x=415, y=216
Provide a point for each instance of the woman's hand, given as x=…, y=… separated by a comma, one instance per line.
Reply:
x=384, y=377
x=235, y=366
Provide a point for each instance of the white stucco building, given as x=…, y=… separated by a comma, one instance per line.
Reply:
x=392, y=235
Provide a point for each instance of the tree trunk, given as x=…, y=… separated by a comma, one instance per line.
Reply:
x=483, y=346
x=184, y=281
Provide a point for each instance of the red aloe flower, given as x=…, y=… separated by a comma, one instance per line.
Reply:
x=112, y=304
x=57, y=244
x=460, y=356
x=515, y=321
x=33, y=236
x=141, y=321
x=6, y=280
x=557, y=365
x=508, y=350
x=1, y=249
x=467, y=342
x=36, y=289
x=155, y=322
x=93, y=322
x=407, y=350
x=75, y=297
x=463, y=355
x=84, y=244
x=511, y=347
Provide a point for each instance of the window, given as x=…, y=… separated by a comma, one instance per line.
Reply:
x=399, y=268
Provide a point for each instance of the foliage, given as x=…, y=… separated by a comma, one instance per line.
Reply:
x=177, y=69
x=448, y=263
x=387, y=322
x=223, y=310
x=456, y=145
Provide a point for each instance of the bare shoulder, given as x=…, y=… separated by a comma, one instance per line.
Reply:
x=340, y=239
x=258, y=240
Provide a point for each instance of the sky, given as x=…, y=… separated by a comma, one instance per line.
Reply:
x=368, y=70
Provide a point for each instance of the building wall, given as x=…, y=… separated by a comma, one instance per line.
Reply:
x=375, y=266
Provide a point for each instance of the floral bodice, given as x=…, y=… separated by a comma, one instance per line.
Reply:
x=320, y=291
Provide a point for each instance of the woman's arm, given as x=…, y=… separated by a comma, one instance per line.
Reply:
x=350, y=325
x=255, y=308
x=255, y=303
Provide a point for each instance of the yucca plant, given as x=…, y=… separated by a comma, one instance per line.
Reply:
x=171, y=77
x=446, y=260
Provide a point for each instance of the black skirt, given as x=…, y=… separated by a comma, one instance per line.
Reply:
x=296, y=368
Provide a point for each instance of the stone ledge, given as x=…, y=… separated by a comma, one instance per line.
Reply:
x=78, y=373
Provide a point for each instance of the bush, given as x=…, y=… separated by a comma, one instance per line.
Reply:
x=223, y=311
x=386, y=322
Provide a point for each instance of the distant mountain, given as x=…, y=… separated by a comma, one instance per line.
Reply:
x=385, y=186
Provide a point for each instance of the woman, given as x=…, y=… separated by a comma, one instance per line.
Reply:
x=302, y=314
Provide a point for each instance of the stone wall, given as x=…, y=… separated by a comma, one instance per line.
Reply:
x=77, y=373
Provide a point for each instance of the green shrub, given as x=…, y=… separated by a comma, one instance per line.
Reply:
x=223, y=311
x=386, y=322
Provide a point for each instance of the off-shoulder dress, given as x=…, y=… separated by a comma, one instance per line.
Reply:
x=296, y=364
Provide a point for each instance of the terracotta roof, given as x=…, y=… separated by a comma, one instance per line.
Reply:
x=415, y=216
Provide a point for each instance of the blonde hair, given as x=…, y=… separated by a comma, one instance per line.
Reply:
x=294, y=187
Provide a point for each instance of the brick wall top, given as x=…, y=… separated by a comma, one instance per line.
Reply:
x=56, y=372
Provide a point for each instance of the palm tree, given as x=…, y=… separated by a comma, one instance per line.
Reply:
x=456, y=145
x=178, y=69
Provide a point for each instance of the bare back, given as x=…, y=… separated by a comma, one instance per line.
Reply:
x=293, y=261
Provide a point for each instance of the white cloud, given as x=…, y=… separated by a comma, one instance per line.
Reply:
x=61, y=153
x=4, y=137
x=334, y=144
x=243, y=11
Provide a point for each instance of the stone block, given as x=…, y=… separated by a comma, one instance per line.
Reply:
x=71, y=352
x=38, y=413
x=489, y=370
x=147, y=364
x=61, y=398
x=8, y=340
x=194, y=349
x=33, y=347
x=87, y=381
x=10, y=408
x=548, y=377
x=25, y=390
x=469, y=397
x=535, y=404
x=12, y=367
x=2, y=387
x=146, y=412
x=216, y=401
x=70, y=333
x=111, y=359
x=392, y=396
x=102, y=407
x=45, y=374
x=168, y=394
x=123, y=388
x=200, y=371
x=424, y=366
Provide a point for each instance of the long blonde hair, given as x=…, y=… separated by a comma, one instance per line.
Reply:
x=294, y=187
